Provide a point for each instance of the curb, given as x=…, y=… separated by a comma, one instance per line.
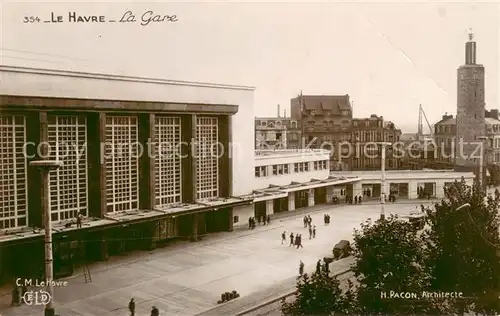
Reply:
x=282, y=296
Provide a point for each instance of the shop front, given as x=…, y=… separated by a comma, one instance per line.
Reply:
x=301, y=199
x=280, y=205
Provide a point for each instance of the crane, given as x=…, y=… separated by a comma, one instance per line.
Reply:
x=421, y=117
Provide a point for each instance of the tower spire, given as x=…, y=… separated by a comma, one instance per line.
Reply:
x=470, y=50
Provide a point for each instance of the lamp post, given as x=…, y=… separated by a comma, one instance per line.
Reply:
x=481, y=163
x=45, y=166
x=382, y=189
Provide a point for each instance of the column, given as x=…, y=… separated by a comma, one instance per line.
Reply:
x=230, y=212
x=439, y=189
x=195, y=220
x=329, y=194
x=412, y=190
x=147, y=161
x=270, y=207
x=357, y=189
x=188, y=136
x=44, y=153
x=310, y=197
x=96, y=138
x=225, y=157
x=291, y=201
x=34, y=179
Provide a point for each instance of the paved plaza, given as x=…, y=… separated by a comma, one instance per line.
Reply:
x=188, y=279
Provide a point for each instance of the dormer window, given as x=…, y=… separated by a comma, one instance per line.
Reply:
x=294, y=124
x=263, y=123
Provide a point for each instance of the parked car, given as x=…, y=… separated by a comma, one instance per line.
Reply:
x=342, y=249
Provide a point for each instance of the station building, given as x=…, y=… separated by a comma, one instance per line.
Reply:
x=96, y=125
x=133, y=192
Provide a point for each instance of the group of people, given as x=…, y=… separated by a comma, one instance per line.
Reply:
x=295, y=240
x=356, y=200
x=319, y=266
x=326, y=219
x=265, y=220
x=131, y=307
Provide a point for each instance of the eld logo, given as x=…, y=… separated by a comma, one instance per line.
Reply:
x=40, y=297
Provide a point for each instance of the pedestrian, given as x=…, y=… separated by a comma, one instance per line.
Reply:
x=264, y=218
x=131, y=307
x=324, y=219
x=79, y=219
x=283, y=237
x=314, y=231
x=155, y=311
x=291, y=239
x=310, y=220
x=360, y=198
x=298, y=241
x=250, y=222
x=268, y=219
x=310, y=232
x=318, y=266
x=253, y=222
x=301, y=268
x=305, y=221
x=356, y=199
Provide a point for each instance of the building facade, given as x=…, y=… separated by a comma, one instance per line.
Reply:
x=325, y=121
x=407, y=184
x=279, y=132
x=470, y=120
x=145, y=160
x=364, y=133
x=287, y=180
x=445, y=137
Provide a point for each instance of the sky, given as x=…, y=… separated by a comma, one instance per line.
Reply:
x=388, y=56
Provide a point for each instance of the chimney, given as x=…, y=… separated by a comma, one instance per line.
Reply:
x=284, y=115
x=494, y=114
x=278, y=110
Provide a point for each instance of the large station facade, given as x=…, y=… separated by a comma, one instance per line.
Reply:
x=145, y=161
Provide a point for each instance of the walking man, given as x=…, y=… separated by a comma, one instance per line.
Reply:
x=310, y=232
x=301, y=268
x=283, y=237
x=131, y=307
x=318, y=266
x=314, y=231
x=305, y=221
x=291, y=239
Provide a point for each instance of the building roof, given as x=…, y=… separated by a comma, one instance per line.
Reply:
x=447, y=121
x=333, y=103
x=491, y=121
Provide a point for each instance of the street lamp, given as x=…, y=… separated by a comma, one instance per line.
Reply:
x=382, y=189
x=481, y=162
x=45, y=166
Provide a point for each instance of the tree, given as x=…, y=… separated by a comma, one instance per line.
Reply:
x=389, y=259
x=319, y=294
x=462, y=248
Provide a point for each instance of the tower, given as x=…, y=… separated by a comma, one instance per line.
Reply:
x=470, y=107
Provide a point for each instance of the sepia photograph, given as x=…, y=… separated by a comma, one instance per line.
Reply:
x=249, y=158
